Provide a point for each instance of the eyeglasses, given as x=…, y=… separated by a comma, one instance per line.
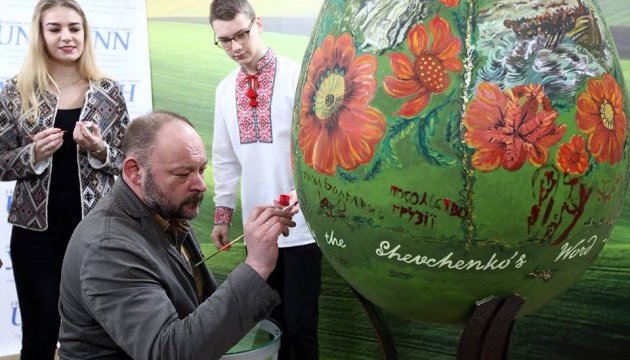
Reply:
x=240, y=37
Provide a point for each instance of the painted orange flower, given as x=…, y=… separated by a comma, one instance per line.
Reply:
x=572, y=157
x=428, y=73
x=600, y=115
x=450, y=3
x=337, y=125
x=508, y=128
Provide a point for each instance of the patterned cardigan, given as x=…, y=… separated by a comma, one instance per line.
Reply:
x=104, y=105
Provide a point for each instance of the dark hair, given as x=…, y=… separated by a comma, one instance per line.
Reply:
x=227, y=10
x=140, y=135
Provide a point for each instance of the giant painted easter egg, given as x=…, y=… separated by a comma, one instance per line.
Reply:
x=446, y=151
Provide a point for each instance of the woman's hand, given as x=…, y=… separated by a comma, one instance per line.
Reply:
x=46, y=143
x=88, y=136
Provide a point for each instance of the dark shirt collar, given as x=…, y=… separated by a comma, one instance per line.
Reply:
x=176, y=228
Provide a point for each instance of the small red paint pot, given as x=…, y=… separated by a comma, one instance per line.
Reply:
x=283, y=200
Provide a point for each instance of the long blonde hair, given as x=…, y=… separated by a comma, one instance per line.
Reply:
x=34, y=77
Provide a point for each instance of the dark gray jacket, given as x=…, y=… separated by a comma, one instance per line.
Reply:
x=126, y=292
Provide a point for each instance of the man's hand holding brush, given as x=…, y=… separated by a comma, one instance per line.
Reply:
x=263, y=227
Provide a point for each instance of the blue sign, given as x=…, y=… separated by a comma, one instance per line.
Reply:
x=13, y=35
x=9, y=199
x=16, y=319
x=129, y=91
x=17, y=36
x=112, y=40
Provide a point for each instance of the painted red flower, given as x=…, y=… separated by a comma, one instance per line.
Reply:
x=600, y=115
x=450, y=3
x=572, y=157
x=428, y=73
x=508, y=128
x=337, y=125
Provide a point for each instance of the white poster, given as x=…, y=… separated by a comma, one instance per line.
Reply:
x=119, y=33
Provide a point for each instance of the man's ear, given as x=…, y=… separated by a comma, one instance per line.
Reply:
x=131, y=171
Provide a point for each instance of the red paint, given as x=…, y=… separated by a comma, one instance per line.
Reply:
x=283, y=200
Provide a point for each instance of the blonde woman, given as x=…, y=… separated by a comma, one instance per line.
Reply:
x=61, y=128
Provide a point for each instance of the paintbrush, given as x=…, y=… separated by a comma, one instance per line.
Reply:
x=229, y=245
x=33, y=136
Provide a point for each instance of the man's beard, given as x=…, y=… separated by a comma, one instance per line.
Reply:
x=157, y=200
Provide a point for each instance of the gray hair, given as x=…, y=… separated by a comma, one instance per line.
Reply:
x=140, y=135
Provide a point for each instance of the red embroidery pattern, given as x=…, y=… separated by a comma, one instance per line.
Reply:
x=254, y=123
x=223, y=215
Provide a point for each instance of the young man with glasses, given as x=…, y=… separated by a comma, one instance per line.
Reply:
x=252, y=134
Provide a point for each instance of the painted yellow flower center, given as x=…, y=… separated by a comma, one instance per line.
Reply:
x=607, y=113
x=329, y=95
x=431, y=73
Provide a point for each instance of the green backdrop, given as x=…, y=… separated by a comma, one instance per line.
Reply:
x=591, y=320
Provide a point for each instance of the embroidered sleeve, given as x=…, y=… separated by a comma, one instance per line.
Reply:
x=39, y=168
x=96, y=162
x=15, y=156
x=112, y=111
x=223, y=215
